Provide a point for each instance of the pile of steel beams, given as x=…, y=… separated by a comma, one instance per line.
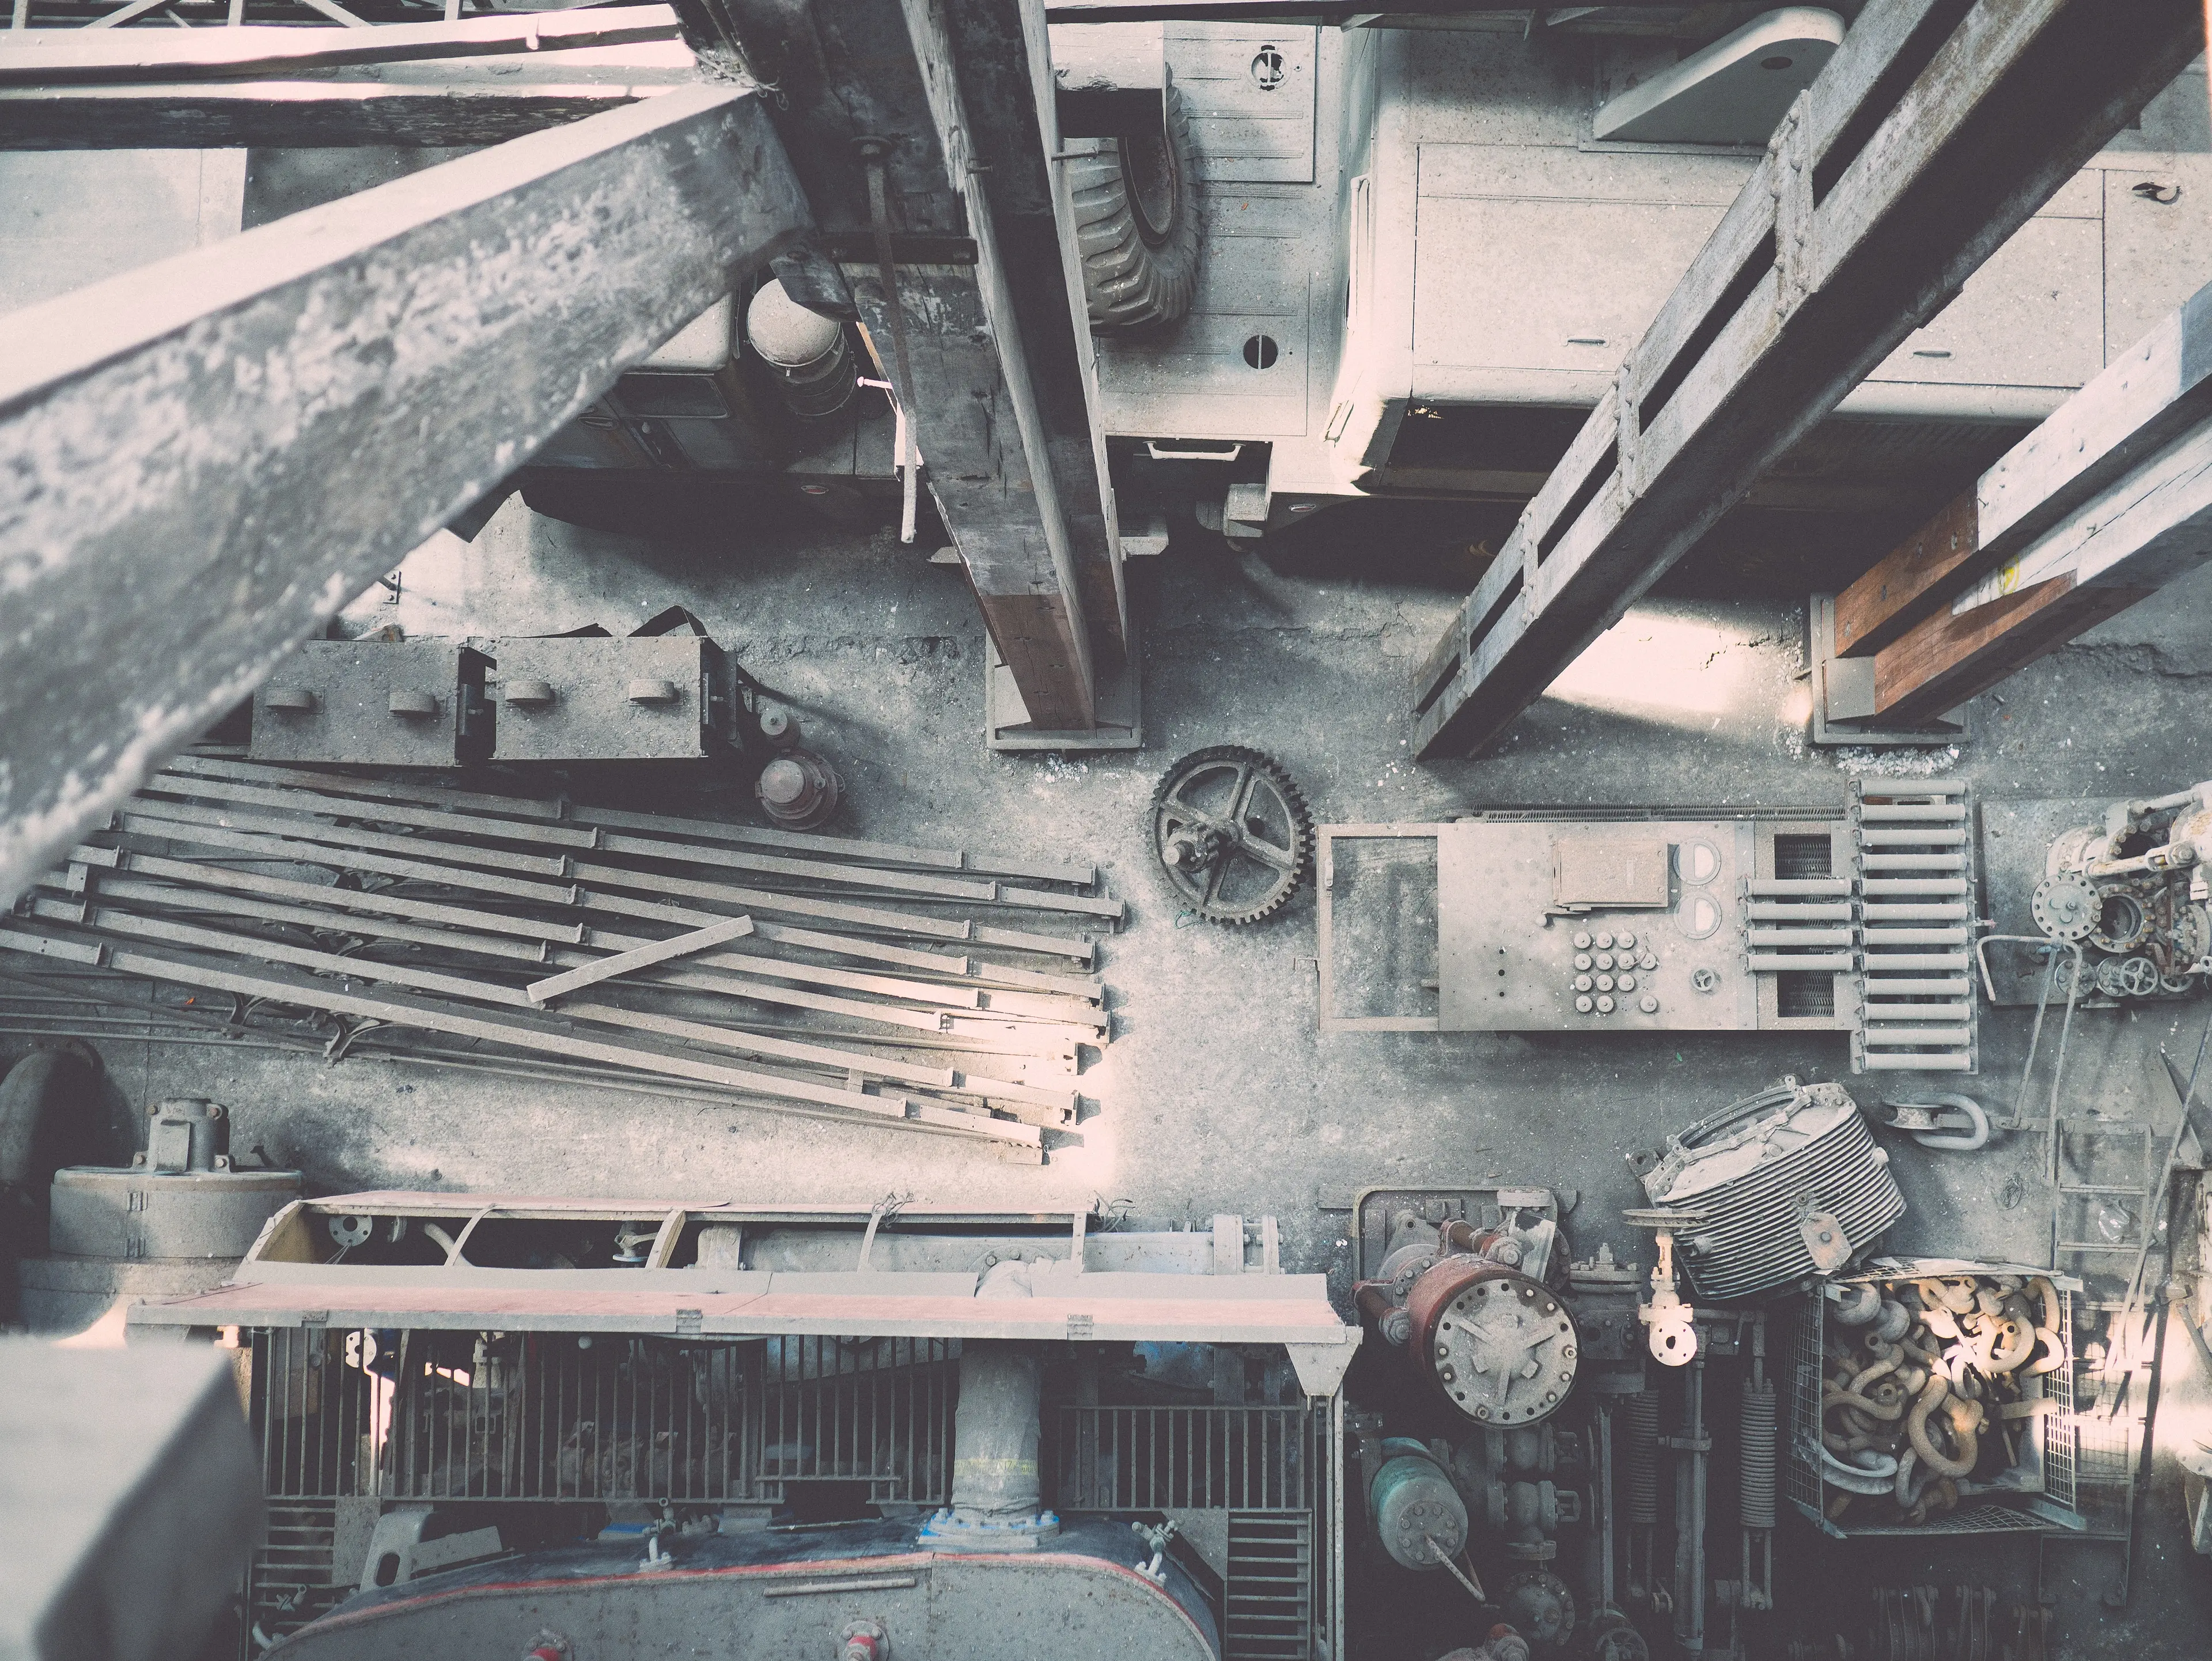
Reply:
x=814, y=974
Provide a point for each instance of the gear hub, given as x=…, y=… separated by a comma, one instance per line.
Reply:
x=1231, y=832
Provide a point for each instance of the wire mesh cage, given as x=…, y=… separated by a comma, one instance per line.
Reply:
x=2041, y=1490
x=429, y=1416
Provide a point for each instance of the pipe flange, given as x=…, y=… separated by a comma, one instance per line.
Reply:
x=1497, y=1346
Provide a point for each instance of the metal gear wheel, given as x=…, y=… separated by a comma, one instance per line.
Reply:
x=1231, y=832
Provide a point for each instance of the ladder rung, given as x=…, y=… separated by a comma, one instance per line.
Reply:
x=1913, y=885
x=1898, y=1037
x=1916, y=1061
x=1916, y=936
x=1918, y=1011
x=1775, y=911
x=1912, y=861
x=1759, y=937
x=1778, y=963
x=1895, y=987
x=1798, y=887
x=1877, y=961
x=1921, y=912
x=1912, y=813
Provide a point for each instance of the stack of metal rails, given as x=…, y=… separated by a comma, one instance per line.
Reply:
x=924, y=988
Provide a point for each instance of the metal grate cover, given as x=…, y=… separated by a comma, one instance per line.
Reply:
x=445, y=1415
x=1269, y=1591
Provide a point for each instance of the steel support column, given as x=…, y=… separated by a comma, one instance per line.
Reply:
x=201, y=461
x=1933, y=134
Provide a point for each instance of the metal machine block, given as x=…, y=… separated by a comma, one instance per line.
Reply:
x=374, y=702
x=644, y=699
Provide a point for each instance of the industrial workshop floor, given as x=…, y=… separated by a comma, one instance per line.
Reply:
x=1217, y=1092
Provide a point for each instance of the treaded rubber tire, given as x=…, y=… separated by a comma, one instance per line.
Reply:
x=1134, y=280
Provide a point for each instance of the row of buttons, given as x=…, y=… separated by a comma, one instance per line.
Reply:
x=1603, y=965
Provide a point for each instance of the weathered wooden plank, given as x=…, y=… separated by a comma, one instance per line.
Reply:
x=55, y=57
x=1946, y=660
x=2140, y=533
x=998, y=404
x=1882, y=604
x=463, y=105
x=370, y=368
x=2157, y=389
x=2011, y=97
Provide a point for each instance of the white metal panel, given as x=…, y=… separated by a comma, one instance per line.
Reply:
x=1546, y=285
x=1551, y=173
x=2033, y=316
x=1251, y=97
x=2157, y=252
x=1255, y=261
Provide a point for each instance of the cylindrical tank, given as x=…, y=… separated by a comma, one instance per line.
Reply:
x=1415, y=1506
x=175, y=1220
x=798, y=790
x=806, y=349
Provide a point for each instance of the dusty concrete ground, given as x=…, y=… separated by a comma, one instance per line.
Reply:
x=1217, y=1092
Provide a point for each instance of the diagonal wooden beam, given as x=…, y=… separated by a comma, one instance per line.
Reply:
x=2118, y=546
x=2158, y=388
x=1933, y=134
x=202, y=460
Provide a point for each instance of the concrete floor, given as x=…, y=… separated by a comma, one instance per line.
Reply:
x=1217, y=1092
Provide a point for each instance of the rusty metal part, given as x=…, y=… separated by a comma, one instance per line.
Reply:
x=1498, y=1347
x=1231, y=829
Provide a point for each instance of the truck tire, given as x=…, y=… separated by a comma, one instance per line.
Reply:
x=1136, y=224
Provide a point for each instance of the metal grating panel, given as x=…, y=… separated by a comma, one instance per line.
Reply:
x=1196, y=1458
x=1914, y=879
x=442, y=1416
x=1269, y=1588
x=289, y=1581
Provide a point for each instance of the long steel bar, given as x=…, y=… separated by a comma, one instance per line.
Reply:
x=813, y=871
x=1039, y=1038
x=749, y=899
x=632, y=958
x=212, y=404
x=403, y=1011
x=1932, y=135
x=308, y=781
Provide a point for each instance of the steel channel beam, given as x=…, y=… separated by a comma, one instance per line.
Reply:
x=1930, y=138
x=403, y=1011
x=749, y=899
x=308, y=782
x=211, y=405
x=654, y=848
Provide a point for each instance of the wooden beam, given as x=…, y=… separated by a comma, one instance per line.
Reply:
x=1933, y=134
x=47, y=57
x=2158, y=388
x=2121, y=545
x=465, y=104
x=209, y=456
x=998, y=401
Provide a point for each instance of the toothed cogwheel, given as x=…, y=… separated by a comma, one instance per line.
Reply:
x=1231, y=832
